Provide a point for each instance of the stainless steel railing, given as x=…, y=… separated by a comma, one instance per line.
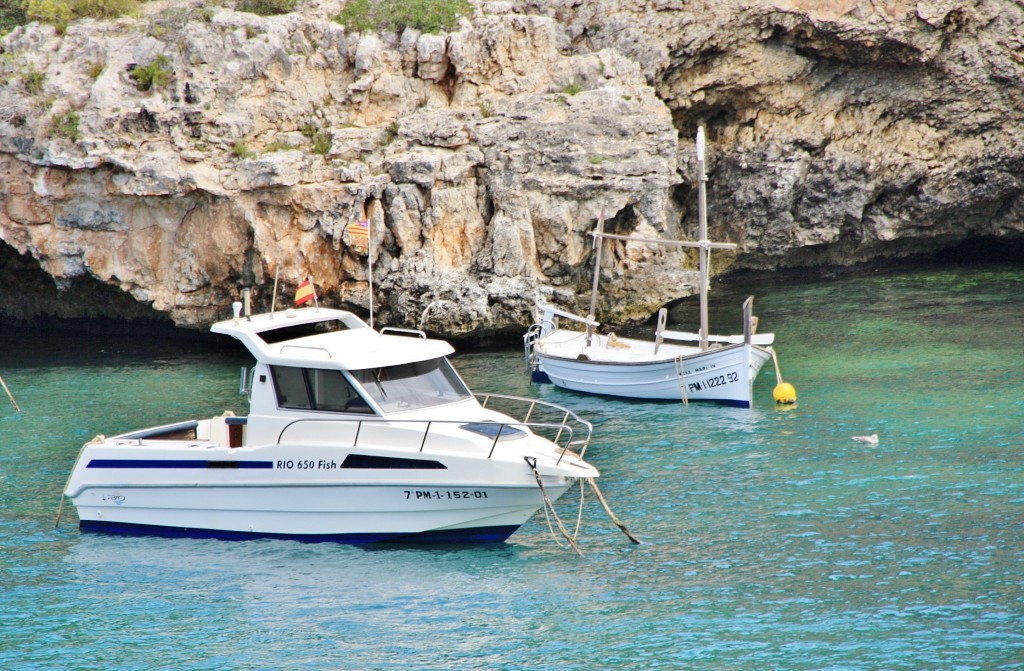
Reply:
x=568, y=432
x=580, y=430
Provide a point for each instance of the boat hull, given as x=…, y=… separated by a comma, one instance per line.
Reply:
x=475, y=535
x=317, y=513
x=321, y=492
x=724, y=375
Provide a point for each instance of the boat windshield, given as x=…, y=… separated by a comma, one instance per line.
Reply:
x=409, y=386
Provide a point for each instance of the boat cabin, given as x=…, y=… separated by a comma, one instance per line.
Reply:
x=329, y=361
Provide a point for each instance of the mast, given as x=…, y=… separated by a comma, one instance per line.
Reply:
x=702, y=237
x=703, y=245
x=598, y=243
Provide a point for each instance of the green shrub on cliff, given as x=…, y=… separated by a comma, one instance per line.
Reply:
x=62, y=12
x=154, y=75
x=266, y=7
x=11, y=17
x=428, y=16
x=66, y=125
x=322, y=143
x=241, y=150
x=33, y=80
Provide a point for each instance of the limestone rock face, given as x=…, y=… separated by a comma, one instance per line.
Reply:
x=839, y=132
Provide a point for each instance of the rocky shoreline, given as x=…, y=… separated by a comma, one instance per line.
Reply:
x=840, y=133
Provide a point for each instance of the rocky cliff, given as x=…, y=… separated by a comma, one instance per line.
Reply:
x=839, y=131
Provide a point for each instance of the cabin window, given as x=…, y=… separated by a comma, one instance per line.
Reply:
x=281, y=333
x=420, y=384
x=316, y=389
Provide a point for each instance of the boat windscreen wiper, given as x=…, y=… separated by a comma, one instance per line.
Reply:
x=376, y=378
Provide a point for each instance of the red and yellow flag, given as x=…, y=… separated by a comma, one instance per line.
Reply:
x=359, y=230
x=304, y=292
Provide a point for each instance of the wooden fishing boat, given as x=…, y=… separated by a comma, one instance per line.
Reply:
x=675, y=365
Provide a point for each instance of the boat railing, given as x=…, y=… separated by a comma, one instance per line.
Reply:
x=557, y=416
x=687, y=336
x=416, y=333
x=547, y=324
x=530, y=338
x=562, y=433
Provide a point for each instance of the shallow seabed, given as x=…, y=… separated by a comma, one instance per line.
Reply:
x=772, y=540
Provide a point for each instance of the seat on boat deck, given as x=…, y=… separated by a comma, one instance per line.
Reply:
x=236, y=430
x=227, y=430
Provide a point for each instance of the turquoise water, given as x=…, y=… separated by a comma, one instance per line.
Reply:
x=771, y=539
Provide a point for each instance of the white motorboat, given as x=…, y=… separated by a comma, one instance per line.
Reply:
x=710, y=368
x=352, y=435
x=643, y=369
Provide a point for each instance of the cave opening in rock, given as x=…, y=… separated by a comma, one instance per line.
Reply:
x=986, y=249
x=32, y=299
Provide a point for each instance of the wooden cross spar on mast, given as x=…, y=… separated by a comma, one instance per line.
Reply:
x=703, y=245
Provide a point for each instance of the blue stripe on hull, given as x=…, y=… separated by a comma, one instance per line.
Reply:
x=718, y=401
x=175, y=463
x=732, y=404
x=496, y=534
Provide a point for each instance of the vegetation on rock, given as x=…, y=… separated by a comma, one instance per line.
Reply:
x=11, y=17
x=66, y=125
x=60, y=13
x=428, y=16
x=322, y=143
x=154, y=75
x=241, y=150
x=33, y=80
x=266, y=7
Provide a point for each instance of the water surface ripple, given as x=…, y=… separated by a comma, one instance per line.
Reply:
x=771, y=539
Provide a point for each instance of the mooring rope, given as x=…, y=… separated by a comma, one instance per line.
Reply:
x=551, y=529
x=618, y=523
x=60, y=508
x=682, y=383
x=778, y=372
x=579, y=513
x=9, y=394
x=532, y=463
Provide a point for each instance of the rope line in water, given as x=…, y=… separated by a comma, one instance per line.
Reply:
x=532, y=463
x=9, y=394
x=682, y=384
x=778, y=371
x=549, y=511
x=579, y=514
x=579, y=520
x=604, y=504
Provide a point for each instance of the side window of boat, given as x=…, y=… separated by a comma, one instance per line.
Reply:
x=332, y=392
x=316, y=389
x=290, y=385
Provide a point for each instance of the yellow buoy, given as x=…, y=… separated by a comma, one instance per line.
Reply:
x=784, y=392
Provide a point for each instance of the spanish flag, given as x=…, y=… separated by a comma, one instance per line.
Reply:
x=359, y=230
x=304, y=292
